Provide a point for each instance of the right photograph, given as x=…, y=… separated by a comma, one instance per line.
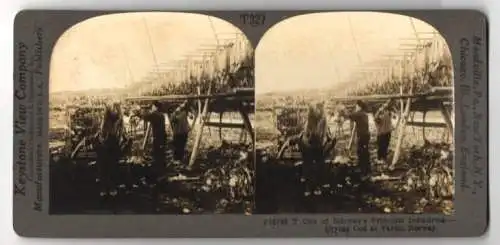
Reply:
x=354, y=114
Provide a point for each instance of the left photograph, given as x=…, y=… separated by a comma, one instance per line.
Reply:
x=152, y=113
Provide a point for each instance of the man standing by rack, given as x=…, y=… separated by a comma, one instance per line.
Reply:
x=360, y=117
x=156, y=120
x=109, y=152
x=180, y=127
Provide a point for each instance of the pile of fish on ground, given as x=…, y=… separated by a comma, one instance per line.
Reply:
x=221, y=181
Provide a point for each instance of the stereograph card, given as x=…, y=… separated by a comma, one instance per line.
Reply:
x=250, y=124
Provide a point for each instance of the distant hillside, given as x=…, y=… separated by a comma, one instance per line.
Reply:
x=90, y=92
x=64, y=97
x=337, y=90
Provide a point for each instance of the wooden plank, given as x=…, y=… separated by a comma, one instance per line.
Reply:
x=237, y=94
x=415, y=106
x=247, y=96
x=225, y=125
x=215, y=106
x=427, y=124
x=243, y=135
x=372, y=98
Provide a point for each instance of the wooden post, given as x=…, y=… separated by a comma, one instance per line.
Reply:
x=274, y=116
x=146, y=136
x=197, y=116
x=221, y=115
x=351, y=140
x=283, y=147
x=401, y=129
x=401, y=107
x=447, y=137
x=199, y=101
x=67, y=132
x=208, y=116
x=243, y=136
x=447, y=118
x=248, y=124
x=199, y=131
x=77, y=148
x=195, y=119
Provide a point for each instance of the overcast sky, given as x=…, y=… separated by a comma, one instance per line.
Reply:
x=96, y=53
x=307, y=51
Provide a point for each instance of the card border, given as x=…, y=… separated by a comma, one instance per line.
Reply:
x=471, y=122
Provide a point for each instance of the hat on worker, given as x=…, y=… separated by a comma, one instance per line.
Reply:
x=362, y=105
x=157, y=104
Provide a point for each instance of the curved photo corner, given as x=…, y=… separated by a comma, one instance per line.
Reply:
x=354, y=115
x=151, y=113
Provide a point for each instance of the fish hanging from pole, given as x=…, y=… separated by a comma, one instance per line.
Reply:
x=447, y=60
x=204, y=66
x=198, y=71
x=248, y=56
x=208, y=71
x=218, y=56
x=227, y=60
x=426, y=59
x=213, y=66
x=238, y=48
x=189, y=68
x=435, y=50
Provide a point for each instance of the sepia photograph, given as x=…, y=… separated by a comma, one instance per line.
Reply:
x=354, y=114
x=152, y=113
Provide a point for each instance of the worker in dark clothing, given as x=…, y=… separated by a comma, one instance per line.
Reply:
x=180, y=127
x=156, y=119
x=108, y=150
x=360, y=117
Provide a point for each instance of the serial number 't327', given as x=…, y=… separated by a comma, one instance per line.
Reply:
x=253, y=19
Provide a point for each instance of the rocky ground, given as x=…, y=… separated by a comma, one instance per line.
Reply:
x=421, y=183
x=221, y=181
